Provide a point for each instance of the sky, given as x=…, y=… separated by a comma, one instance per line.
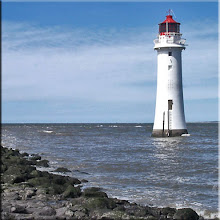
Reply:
x=93, y=62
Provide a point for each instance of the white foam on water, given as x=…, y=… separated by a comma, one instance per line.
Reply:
x=54, y=162
x=207, y=215
x=45, y=131
x=138, y=126
x=185, y=135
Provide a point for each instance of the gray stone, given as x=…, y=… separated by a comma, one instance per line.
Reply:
x=61, y=211
x=80, y=215
x=18, y=209
x=115, y=215
x=43, y=163
x=29, y=193
x=69, y=213
x=185, y=214
x=47, y=211
x=62, y=170
x=72, y=192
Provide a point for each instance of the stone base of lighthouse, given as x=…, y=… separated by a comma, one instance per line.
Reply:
x=171, y=133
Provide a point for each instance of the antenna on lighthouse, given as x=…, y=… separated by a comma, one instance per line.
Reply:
x=171, y=12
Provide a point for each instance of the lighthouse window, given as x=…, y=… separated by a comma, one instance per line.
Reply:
x=169, y=53
x=169, y=67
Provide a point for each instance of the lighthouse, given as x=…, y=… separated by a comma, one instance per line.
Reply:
x=169, y=118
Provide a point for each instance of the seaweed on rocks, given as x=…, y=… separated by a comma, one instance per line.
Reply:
x=28, y=193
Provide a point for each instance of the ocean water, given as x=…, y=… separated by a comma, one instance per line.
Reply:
x=129, y=164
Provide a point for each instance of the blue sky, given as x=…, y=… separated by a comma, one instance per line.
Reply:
x=94, y=62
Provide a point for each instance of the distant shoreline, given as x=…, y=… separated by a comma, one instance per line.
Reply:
x=93, y=123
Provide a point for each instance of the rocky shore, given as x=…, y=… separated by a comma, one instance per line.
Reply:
x=27, y=193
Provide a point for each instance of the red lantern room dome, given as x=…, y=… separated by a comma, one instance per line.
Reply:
x=169, y=19
x=168, y=26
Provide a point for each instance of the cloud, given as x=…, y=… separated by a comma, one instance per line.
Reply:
x=83, y=63
x=99, y=65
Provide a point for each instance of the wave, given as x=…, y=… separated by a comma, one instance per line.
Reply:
x=45, y=131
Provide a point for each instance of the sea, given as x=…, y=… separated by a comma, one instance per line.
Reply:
x=127, y=163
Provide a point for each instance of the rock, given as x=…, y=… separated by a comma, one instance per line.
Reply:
x=79, y=207
x=18, y=209
x=115, y=215
x=42, y=188
x=79, y=215
x=72, y=192
x=24, y=154
x=119, y=208
x=62, y=170
x=72, y=180
x=40, y=191
x=35, y=173
x=100, y=203
x=55, y=189
x=42, y=163
x=40, y=181
x=61, y=211
x=29, y=193
x=135, y=210
x=150, y=217
x=47, y=211
x=69, y=213
x=169, y=212
x=185, y=214
x=4, y=167
x=94, y=192
x=60, y=180
x=19, y=179
x=84, y=181
x=35, y=157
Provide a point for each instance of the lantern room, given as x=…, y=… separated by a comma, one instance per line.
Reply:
x=169, y=25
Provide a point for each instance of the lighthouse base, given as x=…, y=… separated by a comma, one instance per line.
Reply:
x=170, y=133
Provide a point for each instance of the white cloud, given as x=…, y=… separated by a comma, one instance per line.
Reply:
x=80, y=63
x=57, y=63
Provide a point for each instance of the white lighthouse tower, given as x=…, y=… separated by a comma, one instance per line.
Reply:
x=169, y=112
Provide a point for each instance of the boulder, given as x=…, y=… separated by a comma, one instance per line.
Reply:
x=18, y=209
x=100, y=203
x=42, y=163
x=72, y=180
x=169, y=212
x=29, y=193
x=60, y=180
x=115, y=215
x=4, y=167
x=94, y=192
x=47, y=211
x=18, y=179
x=35, y=157
x=72, y=192
x=185, y=214
x=62, y=170
x=54, y=189
x=24, y=154
x=80, y=215
x=135, y=210
x=61, y=211
x=35, y=173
